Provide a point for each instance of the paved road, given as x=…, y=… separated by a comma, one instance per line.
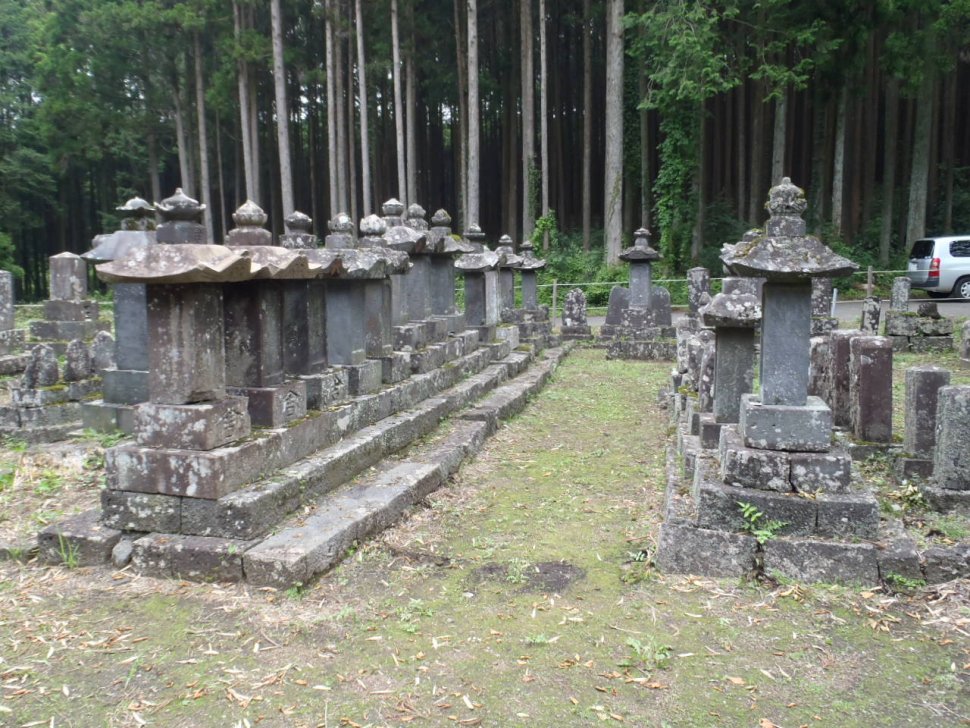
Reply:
x=850, y=311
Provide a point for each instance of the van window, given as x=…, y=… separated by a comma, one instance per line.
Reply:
x=960, y=248
x=922, y=249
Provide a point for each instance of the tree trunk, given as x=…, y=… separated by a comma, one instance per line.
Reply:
x=528, y=119
x=254, y=138
x=891, y=134
x=351, y=139
x=948, y=143
x=153, y=174
x=402, y=190
x=613, y=187
x=779, y=138
x=340, y=110
x=222, y=181
x=364, y=127
x=838, y=162
x=242, y=77
x=331, y=110
x=544, y=115
x=205, y=193
x=411, y=112
x=474, y=138
x=646, y=175
x=916, y=215
x=282, y=110
x=460, y=139
x=742, y=103
x=587, y=121
x=758, y=192
x=700, y=185
x=182, y=142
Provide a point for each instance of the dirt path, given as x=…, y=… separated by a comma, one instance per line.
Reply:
x=521, y=596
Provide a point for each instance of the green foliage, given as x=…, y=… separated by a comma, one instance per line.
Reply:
x=763, y=529
x=646, y=654
x=904, y=583
x=68, y=551
x=567, y=262
x=546, y=224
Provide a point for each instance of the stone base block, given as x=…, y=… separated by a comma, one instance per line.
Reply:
x=829, y=472
x=899, y=558
x=642, y=350
x=900, y=343
x=922, y=344
x=128, y=511
x=53, y=415
x=409, y=336
x=453, y=348
x=124, y=386
x=427, y=359
x=905, y=468
x=11, y=340
x=847, y=515
x=57, y=394
x=708, y=430
x=67, y=330
x=326, y=388
x=71, y=310
x=469, y=340
x=83, y=389
x=945, y=564
x=272, y=406
x=784, y=427
x=107, y=417
x=508, y=333
x=824, y=325
x=861, y=451
x=81, y=540
x=486, y=334
x=202, y=426
x=946, y=500
x=454, y=322
x=13, y=364
x=684, y=549
x=576, y=332
x=436, y=329
x=196, y=558
x=364, y=378
x=396, y=367
x=821, y=561
x=718, y=509
x=747, y=467
x=191, y=473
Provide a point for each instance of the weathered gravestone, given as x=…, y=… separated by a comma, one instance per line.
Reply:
x=574, y=323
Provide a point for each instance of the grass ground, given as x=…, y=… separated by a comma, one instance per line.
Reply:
x=521, y=595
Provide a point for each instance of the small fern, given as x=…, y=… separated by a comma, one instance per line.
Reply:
x=758, y=525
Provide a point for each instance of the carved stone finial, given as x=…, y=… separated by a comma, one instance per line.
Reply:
x=249, y=214
x=373, y=225
x=392, y=208
x=298, y=222
x=341, y=223
x=441, y=219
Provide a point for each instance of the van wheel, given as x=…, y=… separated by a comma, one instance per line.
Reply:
x=962, y=289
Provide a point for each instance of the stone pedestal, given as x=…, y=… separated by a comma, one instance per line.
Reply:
x=871, y=388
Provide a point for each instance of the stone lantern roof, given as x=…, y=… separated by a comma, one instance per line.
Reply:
x=732, y=310
x=783, y=251
x=641, y=252
x=529, y=260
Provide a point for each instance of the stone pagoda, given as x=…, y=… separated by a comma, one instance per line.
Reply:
x=775, y=496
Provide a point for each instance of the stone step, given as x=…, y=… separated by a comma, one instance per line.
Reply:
x=310, y=545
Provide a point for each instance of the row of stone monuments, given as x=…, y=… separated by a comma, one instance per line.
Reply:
x=260, y=375
x=761, y=478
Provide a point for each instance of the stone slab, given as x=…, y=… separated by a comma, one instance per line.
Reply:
x=718, y=509
x=364, y=378
x=813, y=561
x=275, y=406
x=946, y=500
x=828, y=472
x=71, y=310
x=684, y=549
x=127, y=511
x=203, y=426
x=124, y=386
x=946, y=564
x=805, y=428
x=847, y=515
x=80, y=540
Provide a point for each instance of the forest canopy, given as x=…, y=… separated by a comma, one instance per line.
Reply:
x=574, y=122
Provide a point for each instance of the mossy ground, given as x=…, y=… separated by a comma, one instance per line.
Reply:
x=445, y=620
